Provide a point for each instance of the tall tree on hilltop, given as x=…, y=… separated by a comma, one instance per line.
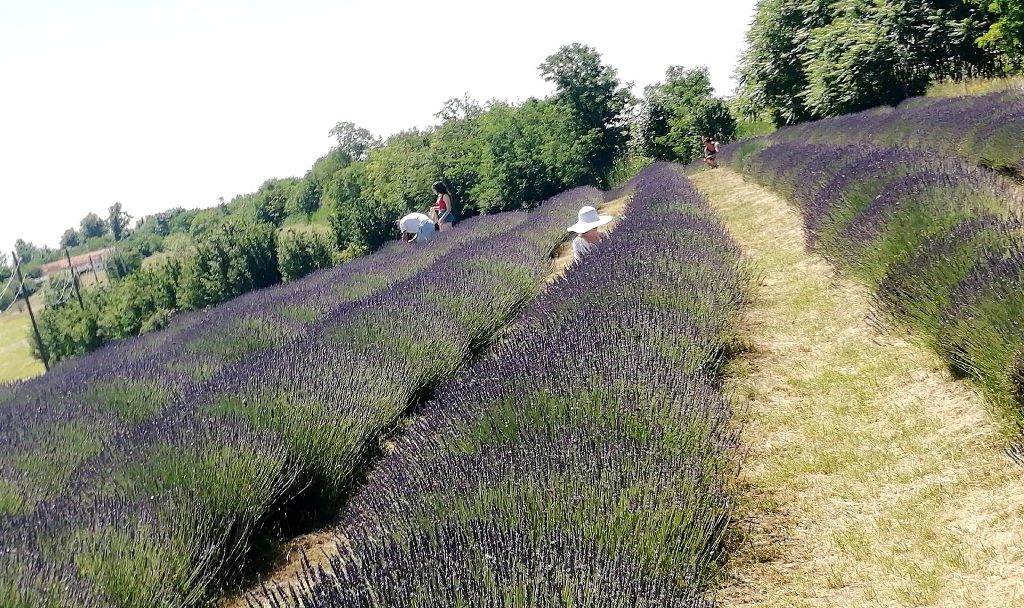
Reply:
x=591, y=90
x=354, y=141
x=70, y=238
x=118, y=221
x=92, y=226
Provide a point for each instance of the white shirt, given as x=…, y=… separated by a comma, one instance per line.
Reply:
x=419, y=224
x=581, y=247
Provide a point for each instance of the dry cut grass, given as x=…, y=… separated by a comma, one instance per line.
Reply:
x=873, y=477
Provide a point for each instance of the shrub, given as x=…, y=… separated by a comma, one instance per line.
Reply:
x=300, y=252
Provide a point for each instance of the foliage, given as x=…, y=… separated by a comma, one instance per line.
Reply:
x=300, y=252
x=355, y=142
x=92, y=226
x=305, y=199
x=123, y=263
x=1006, y=34
x=591, y=91
x=677, y=113
x=117, y=221
x=232, y=260
x=269, y=202
x=69, y=239
x=813, y=59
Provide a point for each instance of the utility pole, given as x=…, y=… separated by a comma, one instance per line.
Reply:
x=95, y=279
x=74, y=277
x=28, y=303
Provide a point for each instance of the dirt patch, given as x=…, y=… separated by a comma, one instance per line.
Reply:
x=873, y=477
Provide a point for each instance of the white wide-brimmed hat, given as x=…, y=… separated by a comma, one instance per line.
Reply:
x=588, y=220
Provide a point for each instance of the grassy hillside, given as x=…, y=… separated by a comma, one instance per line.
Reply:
x=16, y=361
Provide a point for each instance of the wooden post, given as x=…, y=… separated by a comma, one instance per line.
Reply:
x=28, y=303
x=95, y=279
x=74, y=277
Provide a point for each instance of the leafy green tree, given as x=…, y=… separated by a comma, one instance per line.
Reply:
x=305, y=198
x=233, y=259
x=125, y=262
x=300, y=252
x=356, y=142
x=269, y=202
x=818, y=58
x=118, y=221
x=1006, y=34
x=92, y=226
x=677, y=113
x=591, y=91
x=772, y=73
x=70, y=239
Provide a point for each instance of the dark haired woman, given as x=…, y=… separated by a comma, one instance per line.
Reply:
x=443, y=207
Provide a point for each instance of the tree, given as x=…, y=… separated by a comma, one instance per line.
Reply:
x=677, y=113
x=1006, y=34
x=815, y=58
x=70, y=238
x=92, y=227
x=27, y=252
x=118, y=221
x=771, y=73
x=305, y=198
x=592, y=92
x=354, y=141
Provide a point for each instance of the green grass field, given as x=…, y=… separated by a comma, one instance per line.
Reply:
x=16, y=361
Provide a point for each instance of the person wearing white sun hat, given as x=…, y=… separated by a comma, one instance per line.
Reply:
x=588, y=235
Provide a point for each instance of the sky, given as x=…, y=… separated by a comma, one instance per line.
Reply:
x=165, y=104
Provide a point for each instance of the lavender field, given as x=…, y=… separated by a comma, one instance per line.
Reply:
x=587, y=461
x=982, y=129
x=937, y=238
x=141, y=474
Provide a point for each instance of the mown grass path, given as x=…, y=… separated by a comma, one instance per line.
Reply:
x=873, y=478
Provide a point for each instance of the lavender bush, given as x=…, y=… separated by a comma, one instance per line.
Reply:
x=138, y=475
x=936, y=238
x=587, y=461
x=984, y=129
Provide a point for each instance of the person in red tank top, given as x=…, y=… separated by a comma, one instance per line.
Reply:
x=443, y=206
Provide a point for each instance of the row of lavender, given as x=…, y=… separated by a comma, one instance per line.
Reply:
x=137, y=476
x=585, y=462
x=938, y=240
x=984, y=129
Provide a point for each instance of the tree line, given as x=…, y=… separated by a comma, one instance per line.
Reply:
x=811, y=59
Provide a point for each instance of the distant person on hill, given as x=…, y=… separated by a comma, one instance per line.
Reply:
x=442, y=208
x=416, y=227
x=710, y=151
x=588, y=235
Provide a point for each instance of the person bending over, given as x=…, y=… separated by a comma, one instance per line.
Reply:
x=416, y=227
x=587, y=231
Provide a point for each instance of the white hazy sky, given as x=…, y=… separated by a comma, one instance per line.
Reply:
x=161, y=104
